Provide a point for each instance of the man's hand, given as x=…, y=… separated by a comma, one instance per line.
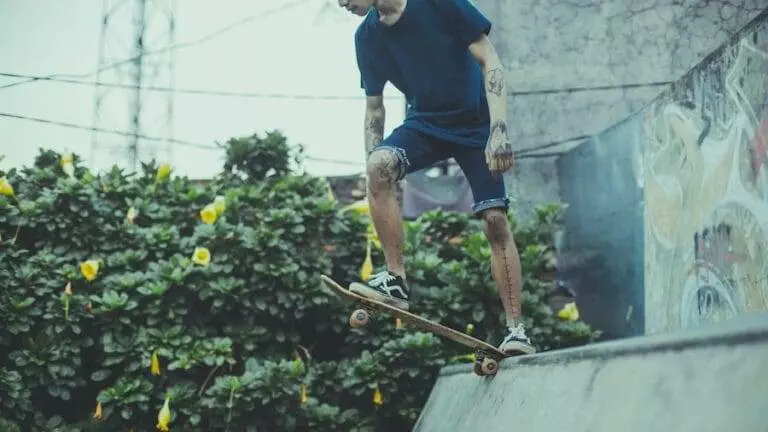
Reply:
x=498, y=152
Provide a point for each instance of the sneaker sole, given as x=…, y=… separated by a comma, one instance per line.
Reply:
x=513, y=347
x=367, y=292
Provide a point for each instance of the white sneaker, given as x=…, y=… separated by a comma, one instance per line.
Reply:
x=386, y=287
x=516, y=341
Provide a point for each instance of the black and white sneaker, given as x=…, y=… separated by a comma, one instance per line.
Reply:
x=516, y=341
x=386, y=287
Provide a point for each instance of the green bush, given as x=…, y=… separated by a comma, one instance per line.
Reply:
x=126, y=291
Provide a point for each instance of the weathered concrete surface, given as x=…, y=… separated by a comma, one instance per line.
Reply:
x=711, y=378
x=704, y=169
x=693, y=165
x=604, y=229
x=550, y=48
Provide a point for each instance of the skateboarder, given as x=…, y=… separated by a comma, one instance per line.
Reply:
x=438, y=54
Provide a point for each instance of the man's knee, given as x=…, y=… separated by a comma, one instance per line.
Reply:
x=382, y=168
x=496, y=226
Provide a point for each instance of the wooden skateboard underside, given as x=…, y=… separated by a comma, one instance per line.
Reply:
x=482, y=349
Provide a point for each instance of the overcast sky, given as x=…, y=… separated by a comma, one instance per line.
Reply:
x=305, y=50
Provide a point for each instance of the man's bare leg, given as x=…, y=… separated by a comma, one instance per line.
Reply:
x=390, y=286
x=505, y=263
x=507, y=273
x=385, y=210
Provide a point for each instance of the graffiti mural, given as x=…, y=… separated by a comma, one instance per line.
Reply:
x=705, y=175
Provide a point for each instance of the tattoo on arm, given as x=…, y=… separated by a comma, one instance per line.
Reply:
x=374, y=130
x=499, y=126
x=495, y=81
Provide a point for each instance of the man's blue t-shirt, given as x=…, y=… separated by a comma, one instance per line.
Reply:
x=425, y=55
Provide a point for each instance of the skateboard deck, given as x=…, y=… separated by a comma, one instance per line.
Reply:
x=486, y=356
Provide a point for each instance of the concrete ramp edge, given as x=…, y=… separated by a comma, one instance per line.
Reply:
x=712, y=378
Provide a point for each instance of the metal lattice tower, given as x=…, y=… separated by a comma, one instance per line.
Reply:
x=133, y=55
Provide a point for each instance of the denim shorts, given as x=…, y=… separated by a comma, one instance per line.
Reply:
x=416, y=150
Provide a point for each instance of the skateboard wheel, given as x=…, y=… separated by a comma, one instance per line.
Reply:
x=477, y=368
x=359, y=318
x=489, y=366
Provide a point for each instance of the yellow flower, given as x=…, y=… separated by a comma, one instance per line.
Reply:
x=303, y=396
x=367, y=269
x=201, y=256
x=66, y=164
x=361, y=207
x=131, y=215
x=164, y=416
x=377, y=399
x=155, y=364
x=297, y=367
x=163, y=171
x=89, y=269
x=373, y=236
x=98, y=414
x=6, y=188
x=569, y=312
x=208, y=214
x=220, y=204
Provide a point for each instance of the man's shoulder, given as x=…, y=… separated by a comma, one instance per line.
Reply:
x=365, y=30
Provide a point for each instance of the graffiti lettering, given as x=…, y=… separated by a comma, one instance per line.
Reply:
x=714, y=245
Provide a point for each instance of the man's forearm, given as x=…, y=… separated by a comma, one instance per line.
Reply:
x=496, y=93
x=374, y=127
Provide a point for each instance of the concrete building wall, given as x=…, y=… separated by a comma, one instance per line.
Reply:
x=603, y=239
x=698, y=155
x=706, y=190
x=561, y=56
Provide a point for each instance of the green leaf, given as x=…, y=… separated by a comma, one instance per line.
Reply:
x=101, y=375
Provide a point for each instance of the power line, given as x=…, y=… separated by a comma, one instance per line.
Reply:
x=523, y=154
x=311, y=97
x=146, y=137
x=195, y=91
x=112, y=131
x=590, y=88
x=552, y=144
x=180, y=45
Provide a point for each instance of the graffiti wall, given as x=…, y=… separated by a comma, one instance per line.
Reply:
x=704, y=170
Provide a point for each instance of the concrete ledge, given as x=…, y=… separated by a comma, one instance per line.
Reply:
x=714, y=378
x=750, y=328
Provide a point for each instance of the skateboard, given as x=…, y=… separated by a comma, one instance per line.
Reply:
x=487, y=356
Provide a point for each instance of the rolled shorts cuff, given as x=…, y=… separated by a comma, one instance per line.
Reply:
x=402, y=159
x=490, y=203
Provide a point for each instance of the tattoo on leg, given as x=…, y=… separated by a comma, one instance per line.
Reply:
x=514, y=295
x=496, y=81
x=385, y=170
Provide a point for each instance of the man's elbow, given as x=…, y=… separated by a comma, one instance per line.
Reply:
x=375, y=104
x=485, y=54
